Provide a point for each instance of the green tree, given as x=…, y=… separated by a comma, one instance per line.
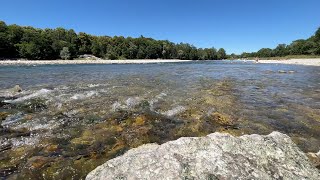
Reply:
x=14, y=36
x=281, y=50
x=298, y=47
x=131, y=52
x=111, y=53
x=29, y=50
x=3, y=39
x=84, y=43
x=221, y=54
x=317, y=35
x=31, y=43
x=65, y=53
x=265, y=52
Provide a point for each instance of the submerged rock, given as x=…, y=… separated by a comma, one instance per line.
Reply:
x=33, y=105
x=16, y=89
x=221, y=119
x=11, y=92
x=3, y=116
x=216, y=156
x=37, y=162
x=314, y=158
x=282, y=71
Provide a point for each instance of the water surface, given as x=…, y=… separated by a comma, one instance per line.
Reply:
x=71, y=118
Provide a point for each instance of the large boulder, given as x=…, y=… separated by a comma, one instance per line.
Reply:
x=216, y=156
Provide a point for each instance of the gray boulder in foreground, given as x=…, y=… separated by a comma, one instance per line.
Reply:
x=216, y=156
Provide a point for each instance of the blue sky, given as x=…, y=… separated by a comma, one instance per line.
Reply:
x=236, y=25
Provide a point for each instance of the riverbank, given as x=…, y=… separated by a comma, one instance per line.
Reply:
x=42, y=62
x=306, y=62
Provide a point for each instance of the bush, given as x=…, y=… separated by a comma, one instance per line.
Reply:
x=65, y=53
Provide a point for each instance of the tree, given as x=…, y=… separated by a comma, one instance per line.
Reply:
x=180, y=54
x=265, y=52
x=29, y=50
x=84, y=43
x=14, y=36
x=221, y=54
x=131, y=52
x=32, y=43
x=65, y=53
x=3, y=39
x=141, y=53
x=317, y=36
x=111, y=53
x=281, y=50
x=298, y=47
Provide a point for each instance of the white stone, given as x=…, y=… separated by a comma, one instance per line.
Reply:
x=216, y=156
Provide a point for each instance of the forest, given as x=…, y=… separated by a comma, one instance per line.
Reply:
x=36, y=44
x=309, y=47
x=24, y=42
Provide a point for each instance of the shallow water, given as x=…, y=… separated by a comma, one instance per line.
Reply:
x=71, y=118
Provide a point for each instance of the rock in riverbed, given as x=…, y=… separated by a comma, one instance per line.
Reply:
x=216, y=156
x=3, y=116
x=16, y=89
x=11, y=92
x=315, y=158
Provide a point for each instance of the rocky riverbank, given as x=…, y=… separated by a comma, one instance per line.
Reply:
x=99, y=61
x=306, y=62
x=216, y=156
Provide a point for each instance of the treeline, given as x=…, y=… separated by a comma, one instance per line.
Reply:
x=310, y=46
x=32, y=43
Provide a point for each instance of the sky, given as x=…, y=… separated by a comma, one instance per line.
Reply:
x=235, y=25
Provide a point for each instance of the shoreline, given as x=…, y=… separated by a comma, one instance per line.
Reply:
x=305, y=62
x=53, y=62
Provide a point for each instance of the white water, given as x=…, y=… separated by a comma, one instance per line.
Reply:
x=40, y=93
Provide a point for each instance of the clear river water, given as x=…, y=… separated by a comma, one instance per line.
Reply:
x=69, y=119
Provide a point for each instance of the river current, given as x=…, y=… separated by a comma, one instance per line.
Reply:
x=69, y=119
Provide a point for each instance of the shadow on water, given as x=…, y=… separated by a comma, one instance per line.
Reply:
x=72, y=118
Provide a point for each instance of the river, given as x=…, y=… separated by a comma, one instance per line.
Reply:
x=70, y=119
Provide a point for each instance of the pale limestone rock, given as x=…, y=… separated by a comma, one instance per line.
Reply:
x=216, y=156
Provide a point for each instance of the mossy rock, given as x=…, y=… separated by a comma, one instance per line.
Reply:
x=28, y=117
x=38, y=162
x=140, y=120
x=51, y=148
x=221, y=119
x=3, y=116
x=84, y=139
x=34, y=105
x=143, y=105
